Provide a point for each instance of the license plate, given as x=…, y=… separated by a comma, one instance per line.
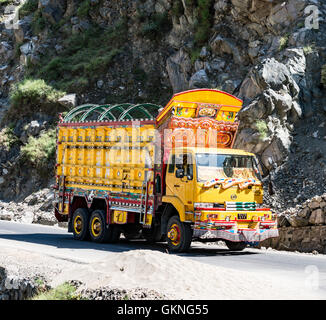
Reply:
x=242, y=216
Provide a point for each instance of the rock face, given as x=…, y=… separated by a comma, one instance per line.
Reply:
x=16, y=288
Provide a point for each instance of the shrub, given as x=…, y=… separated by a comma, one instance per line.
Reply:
x=38, y=23
x=28, y=7
x=33, y=92
x=39, y=151
x=83, y=9
x=323, y=75
x=7, y=138
x=65, y=291
x=262, y=128
x=284, y=42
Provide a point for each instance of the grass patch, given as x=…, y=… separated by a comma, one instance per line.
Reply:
x=323, y=75
x=83, y=9
x=284, y=42
x=33, y=92
x=29, y=7
x=85, y=55
x=262, y=128
x=194, y=54
x=39, y=151
x=204, y=21
x=64, y=291
x=38, y=23
x=7, y=138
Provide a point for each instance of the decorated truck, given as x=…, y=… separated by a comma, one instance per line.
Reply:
x=161, y=174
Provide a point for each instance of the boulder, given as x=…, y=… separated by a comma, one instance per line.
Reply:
x=69, y=100
x=313, y=204
x=221, y=45
x=6, y=50
x=317, y=217
x=22, y=30
x=178, y=67
x=297, y=221
x=199, y=80
x=304, y=213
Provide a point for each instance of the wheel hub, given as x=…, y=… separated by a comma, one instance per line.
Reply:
x=174, y=234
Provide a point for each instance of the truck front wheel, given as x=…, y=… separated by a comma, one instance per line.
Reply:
x=235, y=246
x=80, y=220
x=179, y=235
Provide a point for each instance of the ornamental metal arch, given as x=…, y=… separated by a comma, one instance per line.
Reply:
x=76, y=111
x=112, y=107
x=111, y=112
x=140, y=107
x=98, y=109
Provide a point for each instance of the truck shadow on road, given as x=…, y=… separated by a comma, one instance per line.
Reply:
x=66, y=241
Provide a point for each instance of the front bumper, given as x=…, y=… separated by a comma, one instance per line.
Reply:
x=249, y=236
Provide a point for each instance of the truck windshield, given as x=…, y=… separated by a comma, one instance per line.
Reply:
x=210, y=166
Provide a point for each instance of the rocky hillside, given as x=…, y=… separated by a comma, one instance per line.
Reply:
x=55, y=54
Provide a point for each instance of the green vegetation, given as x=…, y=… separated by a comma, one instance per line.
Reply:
x=204, y=21
x=28, y=8
x=323, y=75
x=83, y=9
x=308, y=49
x=64, y=291
x=6, y=2
x=7, y=138
x=284, y=42
x=155, y=26
x=83, y=57
x=39, y=151
x=177, y=8
x=33, y=92
x=39, y=22
x=262, y=128
x=194, y=54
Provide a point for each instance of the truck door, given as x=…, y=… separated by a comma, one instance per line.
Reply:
x=180, y=178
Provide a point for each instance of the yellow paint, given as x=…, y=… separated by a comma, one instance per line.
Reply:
x=201, y=97
x=104, y=158
x=120, y=217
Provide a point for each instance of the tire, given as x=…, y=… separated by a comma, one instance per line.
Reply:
x=179, y=235
x=153, y=235
x=98, y=230
x=235, y=246
x=80, y=221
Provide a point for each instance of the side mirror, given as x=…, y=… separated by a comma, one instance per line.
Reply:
x=179, y=173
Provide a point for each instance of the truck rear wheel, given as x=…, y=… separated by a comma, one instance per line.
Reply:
x=99, y=231
x=80, y=221
x=179, y=235
x=235, y=246
x=153, y=235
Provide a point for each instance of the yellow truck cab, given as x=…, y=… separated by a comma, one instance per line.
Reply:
x=172, y=177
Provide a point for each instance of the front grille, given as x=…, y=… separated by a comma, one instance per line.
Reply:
x=240, y=206
x=242, y=216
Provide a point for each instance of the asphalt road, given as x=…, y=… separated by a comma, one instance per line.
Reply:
x=305, y=270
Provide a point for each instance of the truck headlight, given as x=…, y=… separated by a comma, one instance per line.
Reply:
x=203, y=205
